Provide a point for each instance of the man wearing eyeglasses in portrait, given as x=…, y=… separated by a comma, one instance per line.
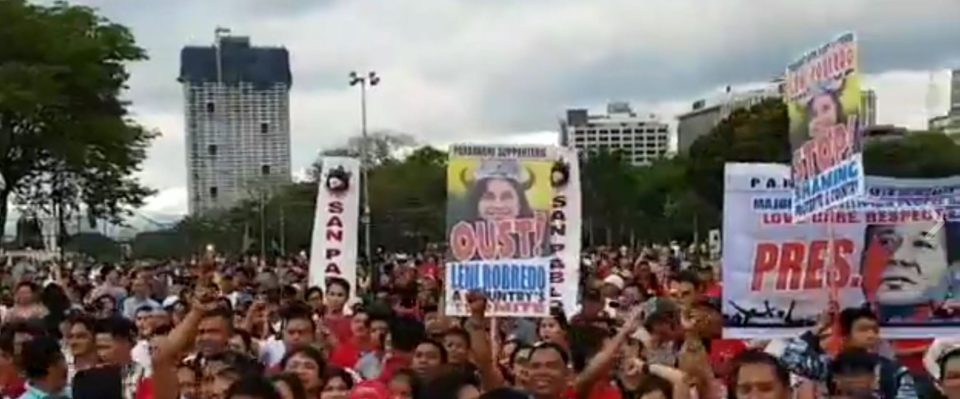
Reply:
x=908, y=269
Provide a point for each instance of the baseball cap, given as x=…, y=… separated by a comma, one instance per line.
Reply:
x=614, y=280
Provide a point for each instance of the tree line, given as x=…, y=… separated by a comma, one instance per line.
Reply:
x=678, y=198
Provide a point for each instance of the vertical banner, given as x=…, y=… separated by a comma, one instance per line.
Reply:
x=822, y=94
x=889, y=251
x=333, y=249
x=565, y=233
x=499, y=203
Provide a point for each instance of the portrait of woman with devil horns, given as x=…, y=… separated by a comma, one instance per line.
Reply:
x=498, y=191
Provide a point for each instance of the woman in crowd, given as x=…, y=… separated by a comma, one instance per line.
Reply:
x=105, y=306
x=337, y=384
x=26, y=303
x=335, y=316
x=309, y=365
x=314, y=297
x=554, y=328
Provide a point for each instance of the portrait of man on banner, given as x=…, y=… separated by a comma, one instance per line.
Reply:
x=910, y=271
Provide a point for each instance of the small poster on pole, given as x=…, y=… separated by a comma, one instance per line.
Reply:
x=822, y=94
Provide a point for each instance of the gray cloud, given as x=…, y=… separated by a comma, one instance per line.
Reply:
x=740, y=44
x=278, y=8
x=461, y=70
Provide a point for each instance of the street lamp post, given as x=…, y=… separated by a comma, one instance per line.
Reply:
x=372, y=79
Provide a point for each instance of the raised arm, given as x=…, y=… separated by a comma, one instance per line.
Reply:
x=603, y=361
x=803, y=355
x=481, y=345
x=165, y=359
x=694, y=360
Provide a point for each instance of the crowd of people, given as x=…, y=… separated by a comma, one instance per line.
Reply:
x=649, y=326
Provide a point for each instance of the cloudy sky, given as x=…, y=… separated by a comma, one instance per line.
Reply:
x=504, y=70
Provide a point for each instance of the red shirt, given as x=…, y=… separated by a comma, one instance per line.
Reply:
x=430, y=270
x=339, y=325
x=370, y=390
x=395, y=362
x=14, y=388
x=715, y=290
x=912, y=362
x=348, y=353
x=600, y=390
x=145, y=389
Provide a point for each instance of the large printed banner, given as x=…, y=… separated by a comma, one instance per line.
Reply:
x=899, y=251
x=499, y=204
x=822, y=94
x=333, y=249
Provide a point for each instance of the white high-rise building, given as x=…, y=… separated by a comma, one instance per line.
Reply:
x=237, y=113
x=708, y=113
x=949, y=124
x=642, y=139
x=868, y=108
x=955, y=91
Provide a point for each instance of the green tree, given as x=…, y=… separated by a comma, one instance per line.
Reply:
x=756, y=134
x=94, y=245
x=628, y=204
x=668, y=201
x=290, y=215
x=759, y=134
x=160, y=245
x=383, y=147
x=609, y=186
x=219, y=230
x=919, y=154
x=66, y=139
x=408, y=200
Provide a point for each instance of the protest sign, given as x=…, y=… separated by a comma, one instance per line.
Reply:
x=499, y=204
x=333, y=248
x=513, y=288
x=822, y=94
x=904, y=262
x=565, y=225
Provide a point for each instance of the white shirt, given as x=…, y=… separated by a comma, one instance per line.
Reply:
x=141, y=355
x=272, y=351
